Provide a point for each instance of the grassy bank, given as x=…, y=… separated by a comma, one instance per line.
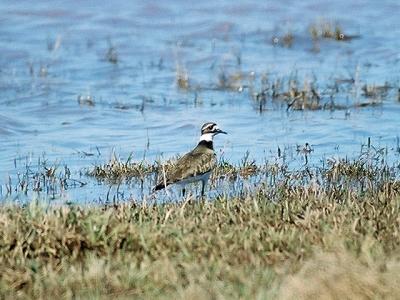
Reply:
x=249, y=248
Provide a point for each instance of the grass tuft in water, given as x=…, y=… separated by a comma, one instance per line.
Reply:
x=182, y=77
x=116, y=169
x=324, y=29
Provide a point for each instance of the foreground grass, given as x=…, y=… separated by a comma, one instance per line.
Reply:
x=300, y=247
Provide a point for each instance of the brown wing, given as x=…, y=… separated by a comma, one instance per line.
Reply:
x=191, y=164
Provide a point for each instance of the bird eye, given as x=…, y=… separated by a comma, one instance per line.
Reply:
x=210, y=127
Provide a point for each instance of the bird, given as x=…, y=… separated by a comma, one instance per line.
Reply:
x=195, y=165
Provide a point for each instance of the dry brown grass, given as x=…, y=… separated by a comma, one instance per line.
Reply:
x=340, y=275
x=229, y=248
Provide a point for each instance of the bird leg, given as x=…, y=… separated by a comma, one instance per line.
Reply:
x=183, y=192
x=203, y=184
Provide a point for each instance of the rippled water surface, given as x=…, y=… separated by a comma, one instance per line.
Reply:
x=79, y=80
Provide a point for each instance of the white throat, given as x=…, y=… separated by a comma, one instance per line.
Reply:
x=208, y=137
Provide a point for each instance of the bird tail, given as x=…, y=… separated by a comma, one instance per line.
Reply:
x=159, y=186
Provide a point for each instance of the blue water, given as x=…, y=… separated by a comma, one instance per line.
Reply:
x=54, y=56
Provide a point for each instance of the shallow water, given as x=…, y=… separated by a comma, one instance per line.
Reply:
x=64, y=101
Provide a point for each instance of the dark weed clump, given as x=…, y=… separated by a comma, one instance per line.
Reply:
x=112, y=55
x=377, y=92
x=86, y=100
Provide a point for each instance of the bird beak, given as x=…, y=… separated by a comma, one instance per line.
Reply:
x=221, y=131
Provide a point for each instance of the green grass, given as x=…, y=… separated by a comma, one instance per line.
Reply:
x=241, y=248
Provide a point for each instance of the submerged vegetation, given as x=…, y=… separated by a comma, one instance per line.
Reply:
x=295, y=91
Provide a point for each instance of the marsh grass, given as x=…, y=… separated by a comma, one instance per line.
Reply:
x=228, y=248
x=278, y=175
x=294, y=91
x=370, y=171
x=116, y=169
x=43, y=177
x=182, y=77
x=328, y=231
x=306, y=93
x=324, y=29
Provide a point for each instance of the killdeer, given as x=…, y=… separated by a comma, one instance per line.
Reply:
x=195, y=165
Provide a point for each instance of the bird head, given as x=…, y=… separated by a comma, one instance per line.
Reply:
x=209, y=130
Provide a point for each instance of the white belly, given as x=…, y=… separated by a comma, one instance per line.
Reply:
x=204, y=177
